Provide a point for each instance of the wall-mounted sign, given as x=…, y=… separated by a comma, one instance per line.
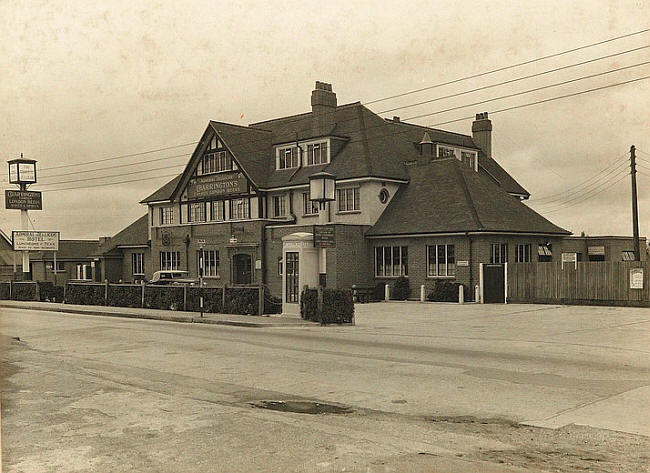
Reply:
x=35, y=241
x=23, y=200
x=596, y=250
x=214, y=185
x=636, y=278
x=462, y=263
x=324, y=236
x=570, y=258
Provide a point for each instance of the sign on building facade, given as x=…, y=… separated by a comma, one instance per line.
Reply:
x=35, y=241
x=324, y=236
x=215, y=185
x=636, y=278
x=23, y=200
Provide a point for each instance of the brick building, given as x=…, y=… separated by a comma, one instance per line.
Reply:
x=410, y=200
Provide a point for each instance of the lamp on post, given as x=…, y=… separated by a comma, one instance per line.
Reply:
x=22, y=172
x=322, y=188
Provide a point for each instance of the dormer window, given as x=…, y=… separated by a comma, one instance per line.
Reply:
x=287, y=157
x=445, y=152
x=466, y=156
x=317, y=153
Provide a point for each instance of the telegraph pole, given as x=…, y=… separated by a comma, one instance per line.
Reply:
x=635, y=207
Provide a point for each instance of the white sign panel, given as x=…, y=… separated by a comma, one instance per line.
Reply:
x=35, y=241
x=636, y=278
x=570, y=258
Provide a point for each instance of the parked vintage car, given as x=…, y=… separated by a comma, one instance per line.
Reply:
x=174, y=276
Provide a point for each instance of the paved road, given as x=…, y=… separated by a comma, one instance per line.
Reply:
x=430, y=386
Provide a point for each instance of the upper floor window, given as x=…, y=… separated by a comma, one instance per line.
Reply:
x=445, y=152
x=309, y=207
x=279, y=206
x=317, y=153
x=166, y=215
x=348, y=199
x=468, y=157
x=196, y=212
x=216, y=162
x=217, y=211
x=239, y=209
x=287, y=157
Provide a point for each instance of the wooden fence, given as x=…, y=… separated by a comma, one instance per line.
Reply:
x=589, y=283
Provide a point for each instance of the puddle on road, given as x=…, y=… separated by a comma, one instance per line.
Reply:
x=302, y=407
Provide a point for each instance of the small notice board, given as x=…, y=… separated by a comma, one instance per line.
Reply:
x=636, y=278
x=324, y=236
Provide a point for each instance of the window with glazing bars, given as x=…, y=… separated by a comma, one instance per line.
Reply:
x=522, y=253
x=169, y=260
x=391, y=261
x=317, y=153
x=441, y=260
x=210, y=262
x=348, y=199
x=137, y=264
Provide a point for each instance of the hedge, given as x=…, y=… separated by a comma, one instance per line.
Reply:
x=4, y=290
x=49, y=292
x=379, y=292
x=23, y=291
x=212, y=299
x=125, y=295
x=401, y=289
x=163, y=297
x=338, y=306
x=242, y=300
x=446, y=291
x=84, y=294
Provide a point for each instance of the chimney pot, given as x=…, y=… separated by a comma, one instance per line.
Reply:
x=396, y=118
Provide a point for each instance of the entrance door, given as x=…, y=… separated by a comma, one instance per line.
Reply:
x=493, y=283
x=242, y=269
x=292, y=274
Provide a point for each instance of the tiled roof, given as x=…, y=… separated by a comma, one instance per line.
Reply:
x=164, y=192
x=447, y=196
x=136, y=233
x=69, y=250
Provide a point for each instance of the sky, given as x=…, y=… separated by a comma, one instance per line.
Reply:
x=86, y=81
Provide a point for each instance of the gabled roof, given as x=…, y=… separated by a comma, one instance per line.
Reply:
x=164, y=193
x=136, y=233
x=445, y=196
x=79, y=250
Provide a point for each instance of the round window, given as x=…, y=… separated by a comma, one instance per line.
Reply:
x=383, y=195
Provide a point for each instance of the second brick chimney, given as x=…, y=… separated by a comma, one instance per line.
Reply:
x=482, y=133
x=323, y=107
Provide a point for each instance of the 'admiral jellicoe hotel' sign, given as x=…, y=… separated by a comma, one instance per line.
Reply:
x=214, y=185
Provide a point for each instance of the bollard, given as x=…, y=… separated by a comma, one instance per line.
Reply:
x=477, y=293
x=461, y=294
x=422, y=296
x=386, y=292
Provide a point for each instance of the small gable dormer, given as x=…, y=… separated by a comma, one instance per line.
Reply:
x=303, y=153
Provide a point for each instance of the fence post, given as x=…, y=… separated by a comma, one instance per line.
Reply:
x=65, y=290
x=11, y=286
x=260, y=305
x=184, y=297
x=106, y=292
x=142, y=295
x=37, y=291
x=223, y=299
x=387, y=292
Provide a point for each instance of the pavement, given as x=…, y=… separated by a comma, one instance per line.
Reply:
x=425, y=387
x=275, y=320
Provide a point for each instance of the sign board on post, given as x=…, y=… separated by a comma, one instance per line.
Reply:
x=570, y=258
x=23, y=200
x=636, y=278
x=324, y=236
x=35, y=241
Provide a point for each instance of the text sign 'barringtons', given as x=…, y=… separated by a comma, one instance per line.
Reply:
x=35, y=241
x=324, y=236
x=23, y=200
x=216, y=185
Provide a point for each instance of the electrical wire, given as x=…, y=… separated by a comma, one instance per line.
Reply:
x=510, y=81
x=112, y=183
x=114, y=175
x=508, y=67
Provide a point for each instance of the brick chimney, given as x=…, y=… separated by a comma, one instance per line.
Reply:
x=482, y=133
x=323, y=107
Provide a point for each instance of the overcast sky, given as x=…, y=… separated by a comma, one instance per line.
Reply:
x=85, y=80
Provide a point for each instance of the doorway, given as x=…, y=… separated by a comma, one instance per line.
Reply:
x=494, y=283
x=292, y=269
x=242, y=265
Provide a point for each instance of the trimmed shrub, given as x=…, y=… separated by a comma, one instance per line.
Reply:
x=84, y=294
x=378, y=294
x=337, y=306
x=163, y=297
x=4, y=290
x=211, y=299
x=401, y=289
x=49, y=292
x=23, y=291
x=446, y=291
x=242, y=300
x=125, y=295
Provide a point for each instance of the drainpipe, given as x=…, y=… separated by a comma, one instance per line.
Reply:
x=263, y=252
x=187, y=253
x=470, y=285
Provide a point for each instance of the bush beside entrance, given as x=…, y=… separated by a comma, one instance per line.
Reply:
x=338, y=307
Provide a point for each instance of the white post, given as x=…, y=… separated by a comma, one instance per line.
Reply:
x=461, y=294
x=477, y=294
x=480, y=283
x=387, y=292
x=323, y=213
x=24, y=219
x=505, y=283
x=422, y=296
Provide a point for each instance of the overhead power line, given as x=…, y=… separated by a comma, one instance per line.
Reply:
x=114, y=175
x=113, y=183
x=511, y=80
x=530, y=61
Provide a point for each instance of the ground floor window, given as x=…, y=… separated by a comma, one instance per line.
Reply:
x=544, y=253
x=137, y=264
x=169, y=260
x=391, y=261
x=441, y=260
x=84, y=271
x=60, y=267
x=499, y=253
x=627, y=255
x=522, y=253
x=209, y=259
